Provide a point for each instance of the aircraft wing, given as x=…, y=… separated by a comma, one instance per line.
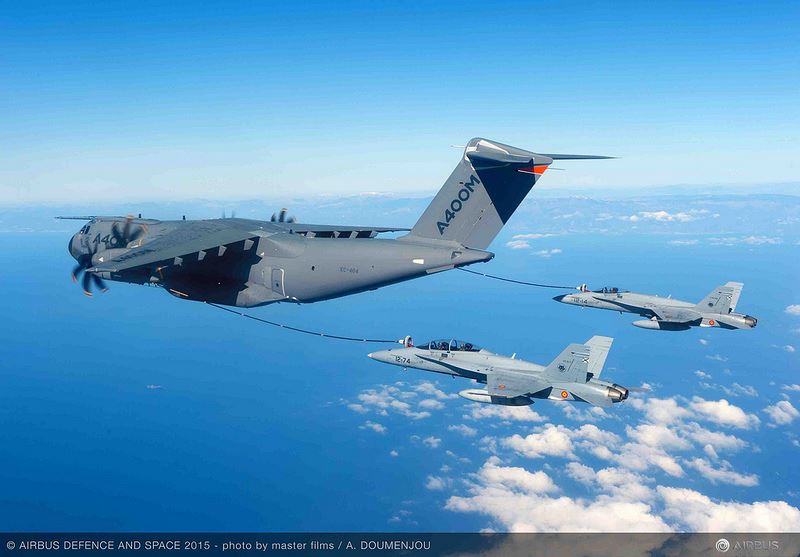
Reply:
x=509, y=383
x=336, y=231
x=194, y=238
x=668, y=314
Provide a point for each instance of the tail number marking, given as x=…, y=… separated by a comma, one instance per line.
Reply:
x=458, y=203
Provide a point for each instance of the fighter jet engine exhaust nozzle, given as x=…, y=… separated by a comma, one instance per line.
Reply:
x=750, y=321
x=617, y=393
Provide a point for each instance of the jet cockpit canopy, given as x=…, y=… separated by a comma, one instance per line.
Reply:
x=609, y=290
x=451, y=345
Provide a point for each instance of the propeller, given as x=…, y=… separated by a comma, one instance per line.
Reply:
x=89, y=279
x=126, y=235
x=281, y=217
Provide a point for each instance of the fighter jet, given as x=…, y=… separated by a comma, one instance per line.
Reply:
x=666, y=314
x=246, y=263
x=573, y=376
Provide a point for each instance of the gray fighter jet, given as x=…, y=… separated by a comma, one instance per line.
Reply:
x=665, y=314
x=248, y=263
x=573, y=376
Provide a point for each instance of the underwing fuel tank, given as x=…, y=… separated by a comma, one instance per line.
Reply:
x=660, y=325
x=482, y=395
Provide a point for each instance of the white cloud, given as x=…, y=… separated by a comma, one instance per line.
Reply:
x=702, y=374
x=717, y=358
x=736, y=390
x=660, y=410
x=521, y=241
x=511, y=413
x=718, y=440
x=547, y=253
x=794, y=387
x=550, y=440
x=703, y=341
x=723, y=413
x=514, y=498
x=464, y=430
x=428, y=388
x=663, y=216
x=722, y=475
x=518, y=244
x=693, y=511
x=519, y=500
x=591, y=414
x=789, y=348
x=782, y=412
x=437, y=483
x=657, y=435
x=387, y=399
x=531, y=236
x=793, y=309
x=684, y=242
x=432, y=442
x=431, y=404
x=376, y=427
x=516, y=478
x=393, y=453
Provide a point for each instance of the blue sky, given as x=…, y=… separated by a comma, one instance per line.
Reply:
x=267, y=100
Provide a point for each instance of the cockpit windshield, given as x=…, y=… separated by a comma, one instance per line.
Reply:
x=451, y=345
x=608, y=290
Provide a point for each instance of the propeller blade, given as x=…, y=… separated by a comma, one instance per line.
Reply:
x=282, y=215
x=76, y=272
x=291, y=220
x=86, y=283
x=99, y=283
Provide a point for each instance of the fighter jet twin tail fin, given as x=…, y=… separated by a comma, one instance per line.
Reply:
x=722, y=300
x=578, y=360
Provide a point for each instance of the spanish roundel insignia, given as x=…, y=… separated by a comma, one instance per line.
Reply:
x=712, y=322
x=501, y=386
x=564, y=394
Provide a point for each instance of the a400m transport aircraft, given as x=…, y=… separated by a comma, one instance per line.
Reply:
x=573, y=376
x=246, y=263
x=718, y=309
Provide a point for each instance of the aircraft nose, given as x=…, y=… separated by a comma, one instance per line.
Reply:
x=74, y=247
x=559, y=298
x=380, y=355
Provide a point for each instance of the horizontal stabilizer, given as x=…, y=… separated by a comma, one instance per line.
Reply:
x=562, y=157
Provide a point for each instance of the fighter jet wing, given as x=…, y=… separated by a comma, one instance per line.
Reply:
x=632, y=308
x=509, y=383
x=193, y=238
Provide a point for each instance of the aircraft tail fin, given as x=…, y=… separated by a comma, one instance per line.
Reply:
x=599, y=348
x=577, y=360
x=482, y=193
x=571, y=365
x=722, y=299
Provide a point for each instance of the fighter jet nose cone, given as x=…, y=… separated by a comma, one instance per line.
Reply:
x=559, y=298
x=371, y=355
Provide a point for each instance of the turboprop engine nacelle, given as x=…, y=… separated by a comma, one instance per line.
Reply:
x=660, y=325
x=482, y=395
